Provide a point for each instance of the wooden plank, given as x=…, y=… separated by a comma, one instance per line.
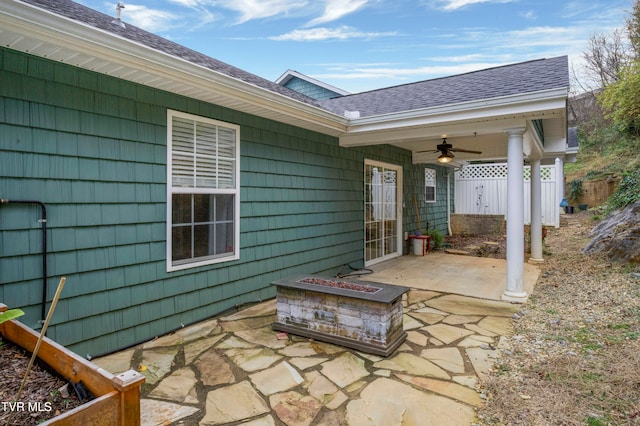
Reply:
x=65, y=362
x=102, y=411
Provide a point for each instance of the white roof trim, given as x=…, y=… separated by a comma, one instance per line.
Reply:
x=289, y=74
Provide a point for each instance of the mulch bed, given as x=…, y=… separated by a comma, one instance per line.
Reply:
x=493, y=246
x=41, y=396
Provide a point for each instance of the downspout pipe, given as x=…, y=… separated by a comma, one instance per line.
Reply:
x=43, y=221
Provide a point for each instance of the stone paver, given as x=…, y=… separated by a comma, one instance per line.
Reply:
x=233, y=403
x=408, y=406
x=276, y=379
x=413, y=364
x=154, y=412
x=237, y=370
x=448, y=358
x=179, y=387
x=156, y=363
x=214, y=370
x=345, y=369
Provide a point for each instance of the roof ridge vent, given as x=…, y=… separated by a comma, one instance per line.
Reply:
x=118, y=21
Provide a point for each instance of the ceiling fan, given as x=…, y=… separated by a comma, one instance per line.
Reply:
x=446, y=151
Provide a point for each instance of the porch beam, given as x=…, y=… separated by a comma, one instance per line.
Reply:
x=515, y=217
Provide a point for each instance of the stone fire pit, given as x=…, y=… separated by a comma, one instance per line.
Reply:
x=362, y=315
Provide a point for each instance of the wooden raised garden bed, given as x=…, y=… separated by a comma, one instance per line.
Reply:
x=365, y=316
x=117, y=398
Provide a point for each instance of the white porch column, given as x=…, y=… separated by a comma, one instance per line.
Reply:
x=536, y=213
x=560, y=179
x=515, y=217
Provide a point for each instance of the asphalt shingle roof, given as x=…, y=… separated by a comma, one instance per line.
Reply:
x=525, y=77
x=78, y=12
x=490, y=83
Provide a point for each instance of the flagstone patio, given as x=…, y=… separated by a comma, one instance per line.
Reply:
x=236, y=370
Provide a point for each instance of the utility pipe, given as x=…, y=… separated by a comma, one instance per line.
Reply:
x=43, y=221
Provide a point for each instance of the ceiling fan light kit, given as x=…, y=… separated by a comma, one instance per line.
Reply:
x=445, y=158
x=445, y=149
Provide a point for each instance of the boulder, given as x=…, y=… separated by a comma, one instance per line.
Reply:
x=618, y=235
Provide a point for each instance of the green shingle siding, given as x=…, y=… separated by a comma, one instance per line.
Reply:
x=93, y=148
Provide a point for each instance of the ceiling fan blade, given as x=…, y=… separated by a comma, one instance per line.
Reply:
x=433, y=151
x=465, y=150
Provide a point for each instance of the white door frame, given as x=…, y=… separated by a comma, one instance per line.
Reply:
x=398, y=213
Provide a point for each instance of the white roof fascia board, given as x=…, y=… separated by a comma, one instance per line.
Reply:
x=432, y=130
x=22, y=18
x=380, y=131
x=529, y=103
x=289, y=74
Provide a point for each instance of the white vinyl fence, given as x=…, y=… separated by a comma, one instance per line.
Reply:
x=482, y=189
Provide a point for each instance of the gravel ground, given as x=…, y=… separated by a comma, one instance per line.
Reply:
x=574, y=358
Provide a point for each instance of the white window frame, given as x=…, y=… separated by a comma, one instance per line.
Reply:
x=171, y=189
x=430, y=179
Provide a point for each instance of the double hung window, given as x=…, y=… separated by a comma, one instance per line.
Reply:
x=203, y=191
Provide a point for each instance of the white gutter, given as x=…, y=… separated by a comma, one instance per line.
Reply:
x=528, y=102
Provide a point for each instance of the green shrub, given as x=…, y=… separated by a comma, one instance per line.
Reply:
x=575, y=189
x=627, y=193
x=437, y=238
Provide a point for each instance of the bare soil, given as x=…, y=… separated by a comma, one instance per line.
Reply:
x=494, y=246
x=41, y=396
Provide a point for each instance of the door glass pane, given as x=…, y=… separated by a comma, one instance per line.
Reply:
x=381, y=202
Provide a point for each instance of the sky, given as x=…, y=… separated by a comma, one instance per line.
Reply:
x=359, y=45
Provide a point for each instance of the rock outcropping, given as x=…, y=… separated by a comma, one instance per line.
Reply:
x=618, y=235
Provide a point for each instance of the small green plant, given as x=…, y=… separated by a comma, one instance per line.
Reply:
x=593, y=421
x=437, y=237
x=10, y=314
x=575, y=189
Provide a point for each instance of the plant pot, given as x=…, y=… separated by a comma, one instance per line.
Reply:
x=582, y=207
x=568, y=209
x=117, y=398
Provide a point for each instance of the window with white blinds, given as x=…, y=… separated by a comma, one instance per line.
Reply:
x=203, y=191
x=429, y=185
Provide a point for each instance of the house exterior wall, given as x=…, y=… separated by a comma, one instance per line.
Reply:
x=93, y=149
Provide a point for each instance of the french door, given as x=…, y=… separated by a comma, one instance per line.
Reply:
x=383, y=211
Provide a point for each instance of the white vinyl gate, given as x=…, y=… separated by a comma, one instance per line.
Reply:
x=482, y=189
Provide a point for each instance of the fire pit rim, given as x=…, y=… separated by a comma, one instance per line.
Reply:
x=387, y=293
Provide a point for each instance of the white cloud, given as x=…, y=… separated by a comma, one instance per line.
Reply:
x=450, y=5
x=354, y=72
x=152, y=20
x=529, y=15
x=320, y=34
x=257, y=9
x=336, y=9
